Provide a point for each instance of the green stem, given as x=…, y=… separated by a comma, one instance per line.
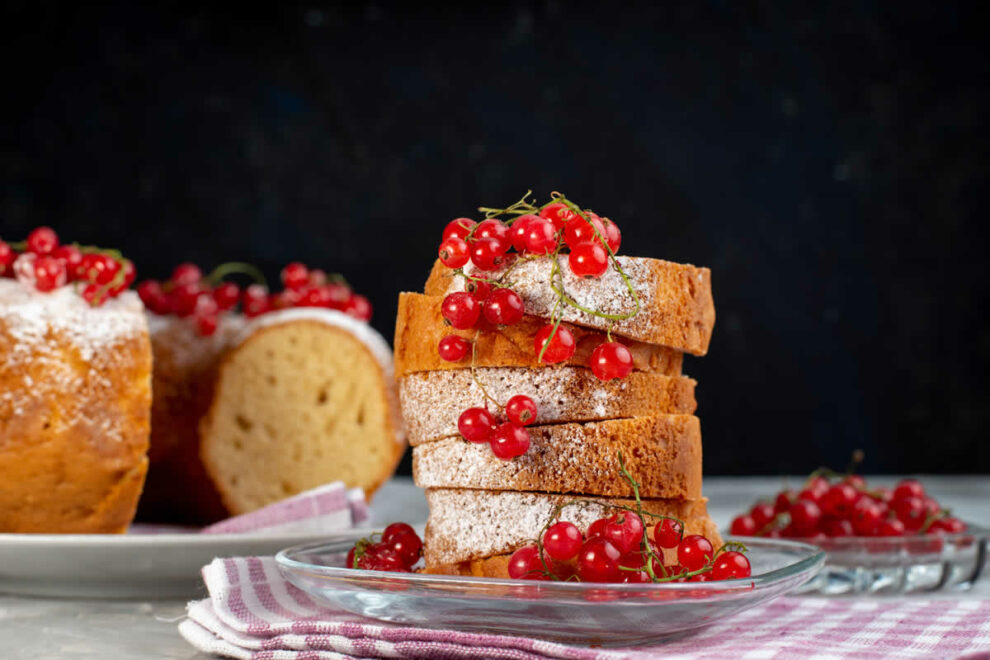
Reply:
x=236, y=268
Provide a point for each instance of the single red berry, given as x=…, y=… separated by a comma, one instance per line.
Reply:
x=613, y=236
x=782, y=504
x=183, y=297
x=910, y=510
x=668, y=533
x=226, y=295
x=636, y=562
x=762, y=514
x=624, y=530
x=479, y=289
x=49, y=273
x=254, y=300
x=454, y=252
x=495, y=230
x=24, y=268
x=7, y=257
x=817, y=484
x=948, y=525
x=206, y=324
x=837, y=528
x=598, y=561
x=407, y=545
x=453, y=348
x=205, y=304
x=731, y=565
x=395, y=529
x=805, y=516
x=68, y=255
x=459, y=227
x=694, y=551
x=340, y=295
x=153, y=296
x=386, y=559
x=519, y=230
x=588, y=259
x=521, y=410
x=856, y=481
x=186, y=273
x=909, y=488
x=743, y=526
x=560, y=344
x=891, y=527
x=295, y=275
x=557, y=213
x=509, y=441
x=580, y=231
x=359, y=307
x=94, y=294
x=503, y=307
x=42, y=241
x=865, y=517
x=838, y=500
x=487, y=254
x=461, y=310
x=810, y=495
x=476, y=424
x=313, y=296
x=562, y=541
x=525, y=564
x=541, y=237
x=883, y=494
x=317, y=277
x=597, y=528
x=610, y=360
x=932, y=507
x=98, y=268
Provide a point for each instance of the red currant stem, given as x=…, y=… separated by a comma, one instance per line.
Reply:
x=735, y=546
x=232, y=268
x=522, y=207
x=931, y=518
x=474, y=374
x=828, y=473
x=854, y=461
x=778, y=521
x=643, y=542
x=18, y=246
x=558, y=288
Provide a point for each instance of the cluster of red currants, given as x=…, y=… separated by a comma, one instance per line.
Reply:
x=46, y=265
x=615, y=550
x=508, y=439
x=189, y=294
x=398, y=550
x=847, y=508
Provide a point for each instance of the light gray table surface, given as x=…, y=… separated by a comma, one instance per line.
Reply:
x=62, y=628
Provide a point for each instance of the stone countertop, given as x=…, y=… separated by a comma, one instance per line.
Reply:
x=43, y=628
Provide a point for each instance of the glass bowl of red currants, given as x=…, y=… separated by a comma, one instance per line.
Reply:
x=567, y=611
x=878, y=540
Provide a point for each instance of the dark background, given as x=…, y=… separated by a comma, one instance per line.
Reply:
x=827, y=164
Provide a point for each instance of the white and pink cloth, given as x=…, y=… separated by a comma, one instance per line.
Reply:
x=253, y=613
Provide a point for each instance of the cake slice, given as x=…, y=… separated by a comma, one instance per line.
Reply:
x=420, y=326
x=662, y=453
x=469, y=525
x=675, y=300
x=304, y=398
x=75, y=401
x=432, y=401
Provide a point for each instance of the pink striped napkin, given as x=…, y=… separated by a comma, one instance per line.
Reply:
x=253, y=613
x=326, y=508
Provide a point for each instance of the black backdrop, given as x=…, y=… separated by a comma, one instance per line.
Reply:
x=827, y=164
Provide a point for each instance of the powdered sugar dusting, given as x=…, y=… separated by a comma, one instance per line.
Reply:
x=185, y=346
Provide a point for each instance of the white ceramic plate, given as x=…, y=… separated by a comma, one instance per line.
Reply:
x=156, y=565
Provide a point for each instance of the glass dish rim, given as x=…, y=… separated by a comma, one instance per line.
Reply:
x=815, y=560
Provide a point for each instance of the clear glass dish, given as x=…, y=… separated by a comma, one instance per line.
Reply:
x=561, y=611
x=900, y=564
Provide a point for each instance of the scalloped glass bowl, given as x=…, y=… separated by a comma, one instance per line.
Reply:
x=902, y=564
x=561, y=611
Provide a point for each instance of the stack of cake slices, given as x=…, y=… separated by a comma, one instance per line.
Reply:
x=483, y=508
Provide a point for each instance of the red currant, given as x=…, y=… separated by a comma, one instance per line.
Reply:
x=461, y=310
x=624, y=530
x=395, y=529
x=909, y=488
x=479, y=289
x=694, y=551
x=891, y=527
x=525, y=564
x=837, y=528
x=49, y=273
x=407, y=545
x=783, y=502
x=597, y=528
x=183, y=297
x=559, y=343
x=453, y=348
x=68, y=255
x=476, y=424
x=810, y=495
x=495, y=230
x=509, y=441
x=613, y=236
x=947, y=526
x=635, y=562
x=7, y=257
x=153, y=296
x=610, y=360
x=125, y=278
x=520, y=230
x=731, y=565
x=562, y=541
x=94, y=294
x=838, y=500
x=454, y=252
x=818, y=485
x=381, y=558
x=910, y=510
x=503, y=307
x=743, y=525
x=762, y=513
x=883, y=494
x=541, y=237
x=42, y=241
x=521, y=410
x=557, y=213
x=459, y=227
x=186, y=273
x=598, y=561
x=295, y=275
x=805, y=516
x=317, y=277
x=668, y=533
x=580, y=231
x=588, y=259
x=206, y=324
x=98, y=268
x=313, y=296
x=226, y=295
x=865, y=517
x=340, y=295
x=254, y=300
x=487, y=254
x=359, y=307
x=856, y=481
